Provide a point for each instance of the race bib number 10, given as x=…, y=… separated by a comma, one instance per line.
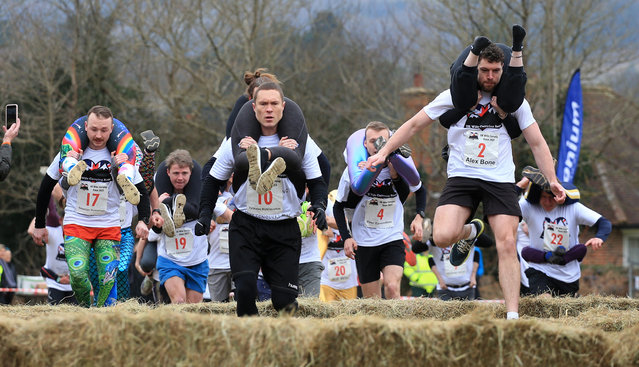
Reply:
x=481, y=149
x=270, y=203
x=92, y=198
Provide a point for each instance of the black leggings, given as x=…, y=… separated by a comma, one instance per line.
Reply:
x=510, y=91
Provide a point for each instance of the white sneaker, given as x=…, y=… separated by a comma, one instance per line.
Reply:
x=255, y=164
x=168, y=227
x=147, y=286
x=178, y=210
x=75, y=174
x=131, y=192
x=265, y=183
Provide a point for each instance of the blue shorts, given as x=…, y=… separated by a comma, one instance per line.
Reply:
x=194, y=277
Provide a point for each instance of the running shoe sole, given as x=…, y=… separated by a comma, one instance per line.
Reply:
x=75, y=174
x=255, y=165
x=178, y=210
x=131, y=192
x=265, y=183
x=535, y=176
x=460, y=250
x=168, y=227
x=150, y=140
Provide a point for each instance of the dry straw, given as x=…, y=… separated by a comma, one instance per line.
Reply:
x=588, y=331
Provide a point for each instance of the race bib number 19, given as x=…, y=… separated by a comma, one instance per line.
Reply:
x=481, y=149
x=181, y=244
x=92, y=198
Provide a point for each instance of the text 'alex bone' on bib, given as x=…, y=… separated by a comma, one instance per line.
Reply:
x=270, y=203
x=92, y=197
x=339, y=269
x=379, y=213
x=224, y=239
x=481, y=148
x=453, y=271
x=555, y=235
x=181, y=244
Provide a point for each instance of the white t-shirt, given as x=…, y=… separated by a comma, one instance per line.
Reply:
x=379, y=216
x=310, y=249
x=479, y=145
x=279, y=203
x=56, y=259
x=548, y=229
x=184, y=248
x=452, y=275
x=219, y=238
x=101, y=205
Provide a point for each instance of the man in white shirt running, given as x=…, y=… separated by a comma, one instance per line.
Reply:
x=481, y=169
x=263, y=232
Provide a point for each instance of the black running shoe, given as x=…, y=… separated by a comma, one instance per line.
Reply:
x=460, y=250
x=535, y=176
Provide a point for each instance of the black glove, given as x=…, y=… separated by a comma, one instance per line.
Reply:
x=203, y=226
x=319, y=216
x=518, y=37
x=479, y=44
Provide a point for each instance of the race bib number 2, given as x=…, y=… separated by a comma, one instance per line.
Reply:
x=481, y=149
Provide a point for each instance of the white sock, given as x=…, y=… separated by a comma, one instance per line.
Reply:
x=473, y=232
x=512, y=315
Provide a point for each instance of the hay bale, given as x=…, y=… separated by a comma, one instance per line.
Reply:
x=588, y=331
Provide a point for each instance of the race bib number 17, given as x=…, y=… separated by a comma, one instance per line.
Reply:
x=92, y=198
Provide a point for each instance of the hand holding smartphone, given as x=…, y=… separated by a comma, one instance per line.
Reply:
x=10, y=114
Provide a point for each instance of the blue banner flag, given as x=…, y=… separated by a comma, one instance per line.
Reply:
x=571, y=131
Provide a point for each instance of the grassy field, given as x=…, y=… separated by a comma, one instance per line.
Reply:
x=587, y=331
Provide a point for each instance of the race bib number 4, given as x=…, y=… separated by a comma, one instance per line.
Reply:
x=339, y=269
x=555, y=235
x=481, y=149
x=380, y=213
x=270, y=203
x=181, y=244
x=92, y=198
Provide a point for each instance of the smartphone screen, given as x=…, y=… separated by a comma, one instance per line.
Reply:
x=11, y=114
